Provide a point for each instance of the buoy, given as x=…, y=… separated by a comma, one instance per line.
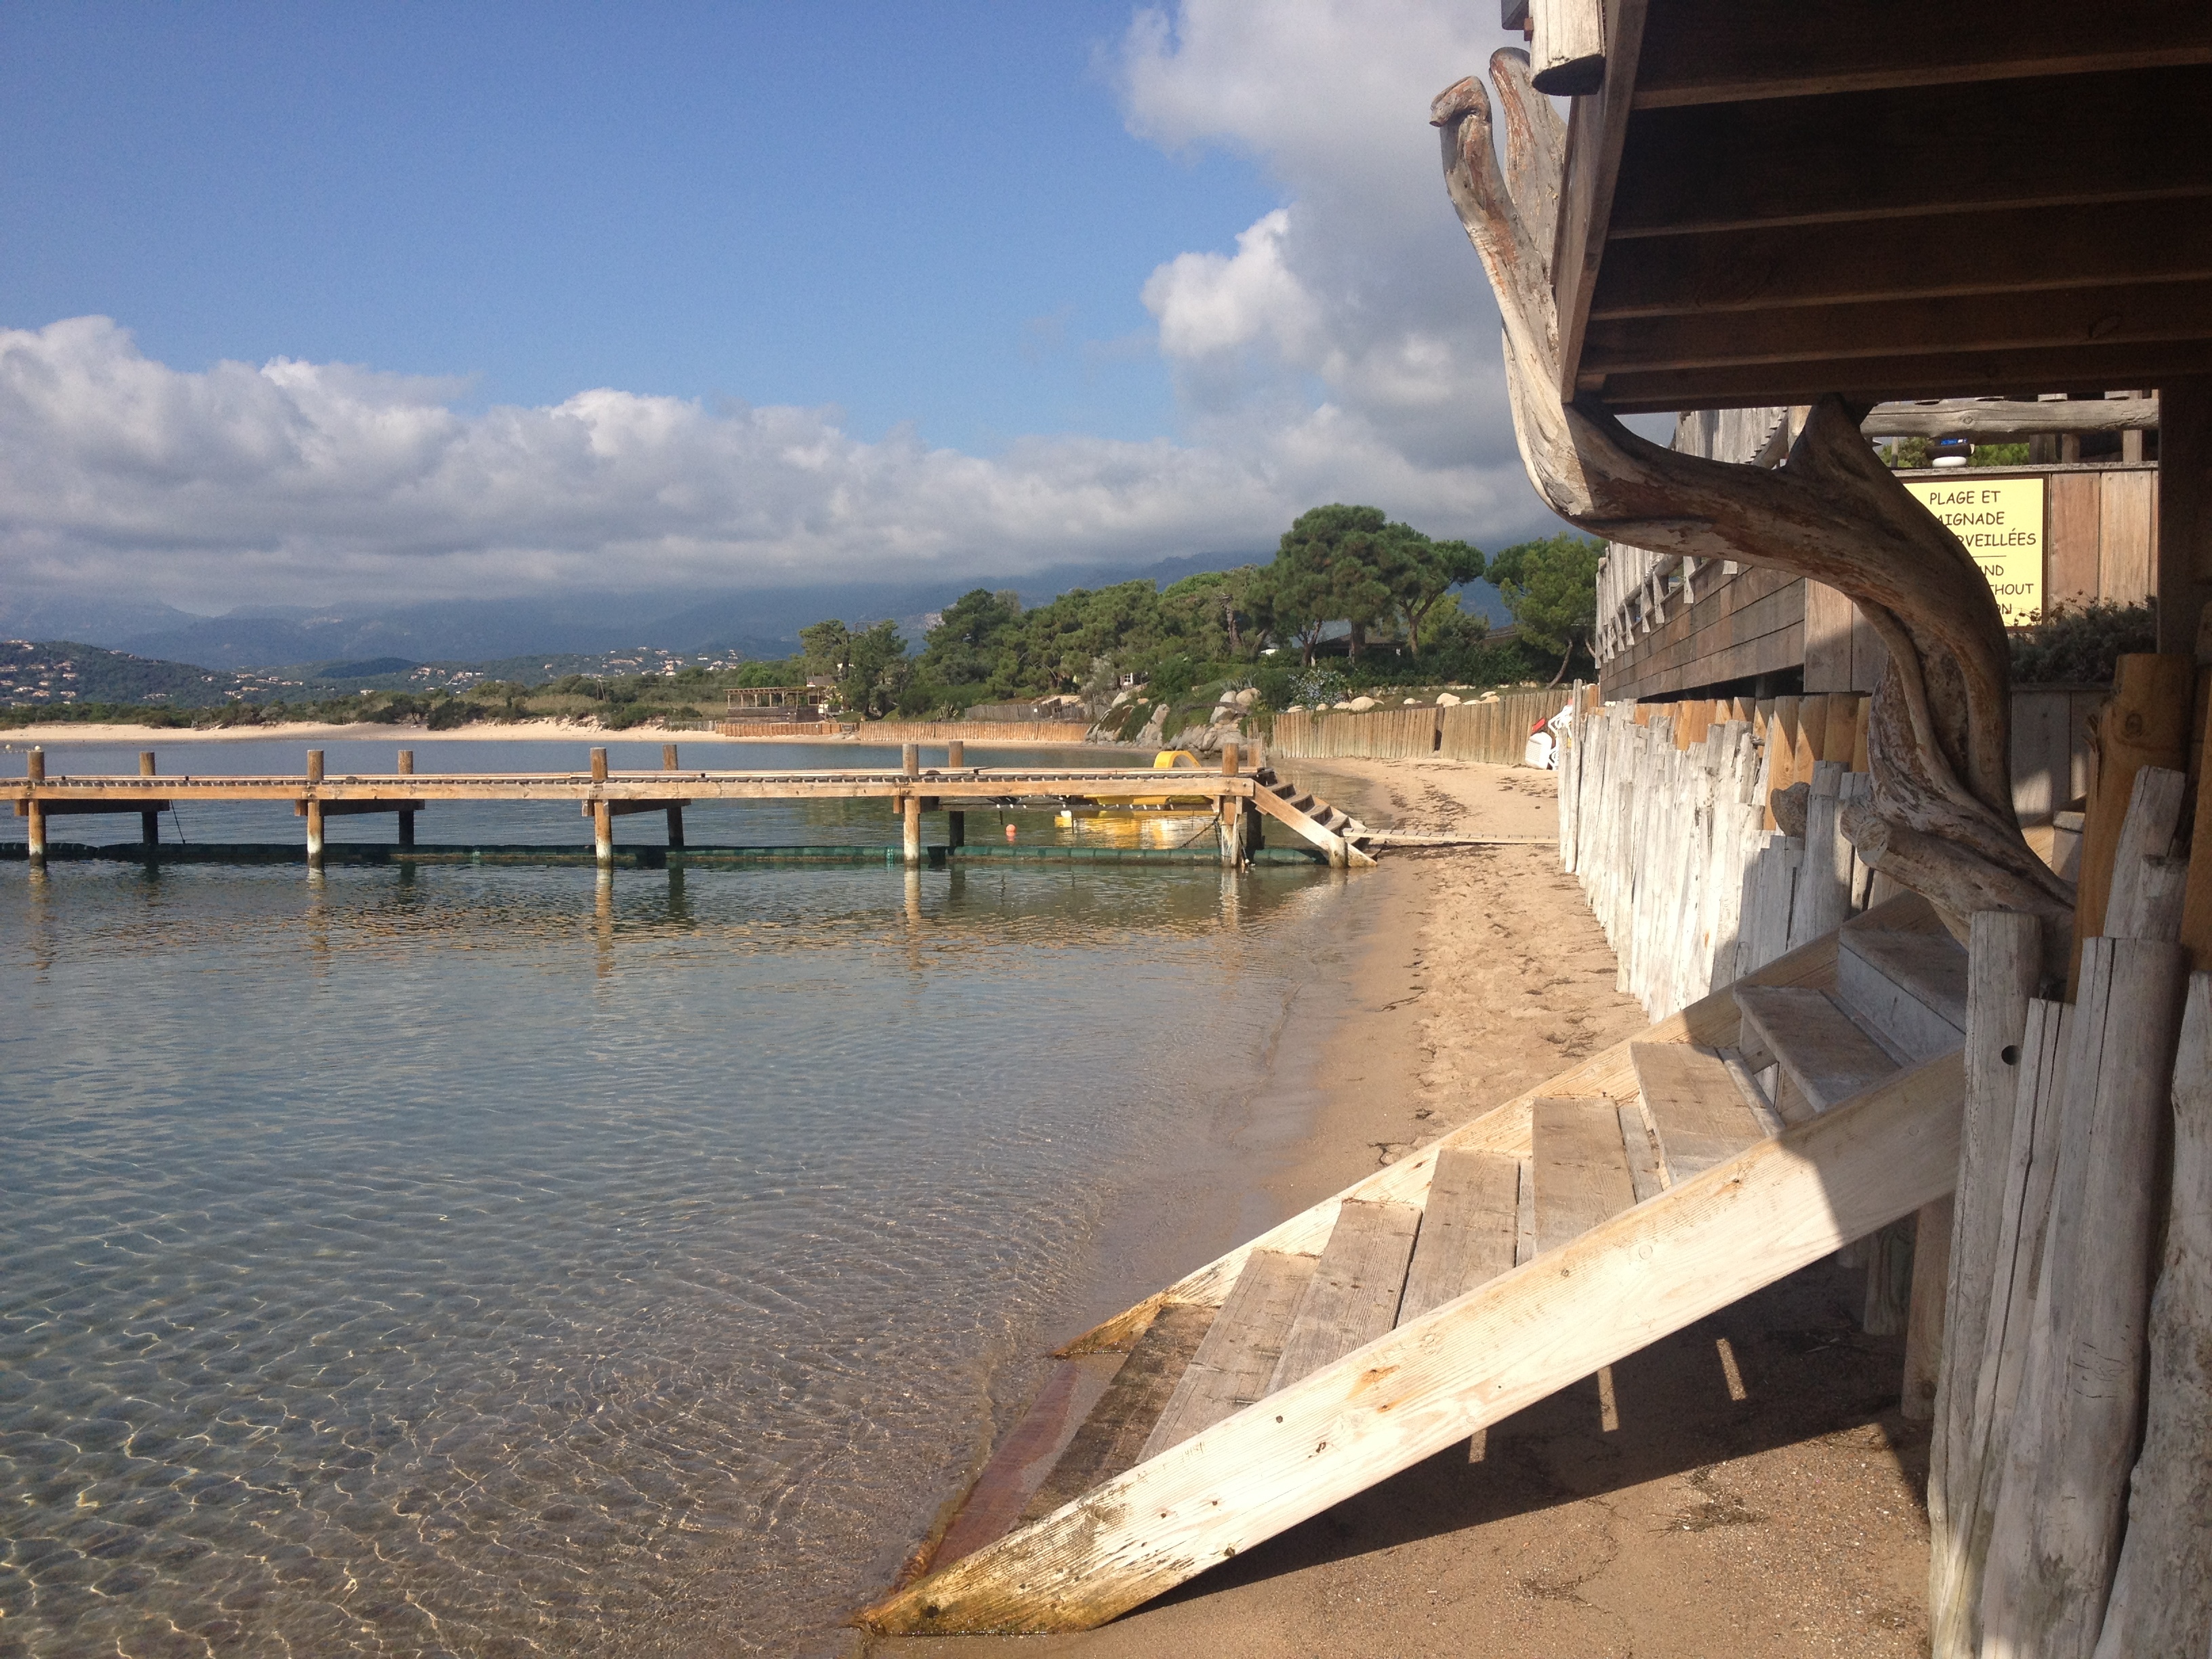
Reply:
x=1009, y=832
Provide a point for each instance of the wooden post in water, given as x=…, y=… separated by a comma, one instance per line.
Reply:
x=599, y=766
x=149, y=824
x=314, y=812
x=602, y=833
x=675, y=813
x=910, y=829
x=406, y=819
x=34, y=769
x=956, y=824
x=910, y=759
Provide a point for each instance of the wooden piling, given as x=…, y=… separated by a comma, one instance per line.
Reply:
x=956, y=755
x=599, y=766
x=407, y=762
x=668, y=758
x=603, y=823
x=1230, y=758
x=315, y=832
x=406, y=817
x=2146, y=723
x=668, y=764
x=910, y=825
x=910, y=759
x=314, y=766
x=149, y=824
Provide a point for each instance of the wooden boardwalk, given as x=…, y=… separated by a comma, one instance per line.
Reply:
x=1237, y=798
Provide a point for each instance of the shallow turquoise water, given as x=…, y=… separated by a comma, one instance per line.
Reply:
x=497, y=1262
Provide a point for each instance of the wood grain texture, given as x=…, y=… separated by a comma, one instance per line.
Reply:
x=1242, y=1346
x=1828, y=1058
x=2070, y=557
x=1470, y=1364
x=1699, y=1112
x=1352, y=1294
x=2161, y=1600
x=1581, y=1169
x=1469, y=1228
x=1909, y=989
x=1647, y=1175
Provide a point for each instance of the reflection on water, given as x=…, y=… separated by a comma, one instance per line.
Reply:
x=706, y=823
x=523, y=1260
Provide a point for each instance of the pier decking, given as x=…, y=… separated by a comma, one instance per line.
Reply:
x=1237, y=799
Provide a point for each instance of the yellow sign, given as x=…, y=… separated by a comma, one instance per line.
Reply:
x=2001, y=522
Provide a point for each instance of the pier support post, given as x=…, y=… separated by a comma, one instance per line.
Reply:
x=34, y=770
x=599, y=766
x=314, y=808
x=956, y=829
x=910, y=759
x=149, y=824
x=675, y=813
x=406, y=818
x=956, y=755
x=603, y=831
x=910, y=829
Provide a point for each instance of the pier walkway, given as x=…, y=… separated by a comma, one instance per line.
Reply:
x=1239, y=800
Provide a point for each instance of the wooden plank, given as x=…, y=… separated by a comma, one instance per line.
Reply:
x=2121, y=314
x=1702, y=52
x=1238, y=1354
x=1112, y=1437
x=1713, y=167
x=1909, y=988
x=1647, y=1172
x=1828, y=1057
x=1352, y=1296
x=2125, y=563
x=1581, y=1169
x=1597, y=127
x=2004, y=251
x=2071, y=560
x=1468, y=1229
x=1430, y=1385
x=1827, y=638
x=1701, y=1115
x=2181, y=519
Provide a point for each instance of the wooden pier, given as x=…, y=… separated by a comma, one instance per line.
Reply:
x=1237, y=798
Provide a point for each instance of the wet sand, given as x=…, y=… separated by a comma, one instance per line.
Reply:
x=1753, y=1488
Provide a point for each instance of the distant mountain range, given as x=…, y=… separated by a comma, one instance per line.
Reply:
x=488, y=636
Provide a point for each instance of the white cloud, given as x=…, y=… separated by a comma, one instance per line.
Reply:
x=1346, y=348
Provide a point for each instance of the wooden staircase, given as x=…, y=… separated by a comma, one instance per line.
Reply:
x=1335, y=831
x=1720, y=1150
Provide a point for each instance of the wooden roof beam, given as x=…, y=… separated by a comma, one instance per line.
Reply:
x=1709, y=52
x=2087, y=370
x=1910, y=151
x=2009, y=250
x=2006, y=421
x=2144, y=313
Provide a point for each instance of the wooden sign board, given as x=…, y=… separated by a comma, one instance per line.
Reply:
x=1999, y=520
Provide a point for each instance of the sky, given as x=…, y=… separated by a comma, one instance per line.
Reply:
x=320, y=304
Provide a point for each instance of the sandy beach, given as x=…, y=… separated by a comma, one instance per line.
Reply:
x=1753, y=1489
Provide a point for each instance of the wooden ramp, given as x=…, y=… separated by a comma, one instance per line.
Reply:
x=1658, y=1182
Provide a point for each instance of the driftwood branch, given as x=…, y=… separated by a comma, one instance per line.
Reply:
x=1940, y=738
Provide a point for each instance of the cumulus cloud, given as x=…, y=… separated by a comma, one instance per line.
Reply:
x=1342, y=347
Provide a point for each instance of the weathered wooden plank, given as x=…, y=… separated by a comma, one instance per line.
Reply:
x=1468, y=1229
x=1112, y=1437
x=1597, y=127
x=1828, y=1057
x=1433, y=1382
x=1647, y=1174
x=1909, y=988
x=1704, y=52
x=1352, y=1297
x=1238, y=1356
x=1581, y=1169
x=2126, y=561
x=1701, y=1115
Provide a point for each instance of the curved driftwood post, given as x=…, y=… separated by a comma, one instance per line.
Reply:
x=1942, y=819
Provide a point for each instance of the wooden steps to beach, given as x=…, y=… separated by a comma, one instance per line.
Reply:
x=1333, y=829
x=1626, y=1198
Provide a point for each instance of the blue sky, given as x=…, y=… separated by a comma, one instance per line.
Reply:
x=480, y=300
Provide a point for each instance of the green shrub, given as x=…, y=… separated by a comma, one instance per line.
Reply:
x=2078, y=646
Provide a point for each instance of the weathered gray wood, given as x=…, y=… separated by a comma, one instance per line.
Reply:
x=1975, y=1462
x=1112, y=1437
x=2142, y=904
x=1909, y=988
x=1581, y=1169
x=1432, y=1384
x=1238, y=1356
x=1352, y=1297
x=1469, y=1227
x=1567, y=49
x=2056, y=1535
x=1700, y=1115
x=1647, y=1177
x=1997, y=421
x=1927, y=1312
x=1888, y=1280
x=2004, y=958
x=1826, y=1056
x=1524, y=1232
x=2161, y=1600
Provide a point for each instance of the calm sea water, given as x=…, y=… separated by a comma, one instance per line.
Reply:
x=506, y=1261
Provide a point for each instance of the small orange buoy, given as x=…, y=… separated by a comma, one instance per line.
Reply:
x=1009, y=832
